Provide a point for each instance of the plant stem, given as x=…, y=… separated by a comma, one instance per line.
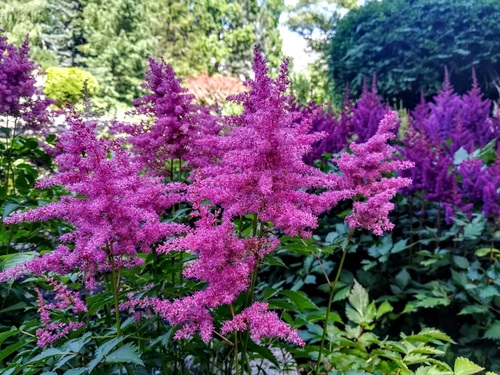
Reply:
x=330, y=297
x=236, y=361
x=115, y=283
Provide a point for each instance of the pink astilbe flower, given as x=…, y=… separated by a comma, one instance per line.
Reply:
x=224, y=261
x=261, y=170
x=262, y=323
x=175, y=127
x=114, y=209
x=64, y=298
x=364, y=174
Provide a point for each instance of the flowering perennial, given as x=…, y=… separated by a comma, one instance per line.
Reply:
x=114, y=210
x=175, y=125
x=19, y=96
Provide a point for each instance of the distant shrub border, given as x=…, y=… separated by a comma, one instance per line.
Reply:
x=408, y=44
x=66, y=85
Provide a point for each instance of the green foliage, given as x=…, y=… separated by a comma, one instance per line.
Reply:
x=66, y=85
x=408, y=44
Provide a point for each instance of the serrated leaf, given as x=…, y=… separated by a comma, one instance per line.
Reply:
x=488, y=291
x=429, y=335
x=103, y=351
x=384, y=308
x=464, y=366
x=493, y=331
x=75, y=345
x=128, y=353
x=431, y=370
x=474, y=309
x=299, y=299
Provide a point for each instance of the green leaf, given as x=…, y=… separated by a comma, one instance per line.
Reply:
x=488, y=291
x=493, y=331
x=271, y=260
x=464, y=366
x=263, y=351
x=128, y=353
x=384, y=308
x=360, y=310
x=299, y=299
x=12, y=348
x=8, y=208
x=7, y=334
x=461, y=261
x=50, y=352
x=12, y=260
x=474, y=229
x=403, y=278
x=429, y=335
x=474, y=309
x=486, y=251
x=103, y=351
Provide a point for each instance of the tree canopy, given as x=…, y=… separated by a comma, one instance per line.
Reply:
x=113, y=39
x=408, y=44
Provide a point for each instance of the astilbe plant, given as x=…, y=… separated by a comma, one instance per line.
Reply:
x=355, y=121
x=174, y=127
x=368, y=112
x=337, y=128
x=261, y=174
x=20, y=98
x=437, y=130
x=115, y=211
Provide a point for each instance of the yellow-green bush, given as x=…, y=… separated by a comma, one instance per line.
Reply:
x=65, y=85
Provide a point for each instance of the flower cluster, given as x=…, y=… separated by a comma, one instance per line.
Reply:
x=174, y=127
x=19, y=95
x=364, y=174
x=355, y=121
x=63, y=299
x=114, y=210
x=436, y=132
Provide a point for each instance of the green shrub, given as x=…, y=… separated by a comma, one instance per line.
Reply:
x=408, y=44
x=66, y=85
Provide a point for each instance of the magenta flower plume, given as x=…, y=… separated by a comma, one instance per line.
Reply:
x=367, y=113
x=262, y=323
x=19, y=97
x=364, y=174
x=114, y=209
x=224, y=261
x=261, y=170
x=63, y=299
x=175, y=127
